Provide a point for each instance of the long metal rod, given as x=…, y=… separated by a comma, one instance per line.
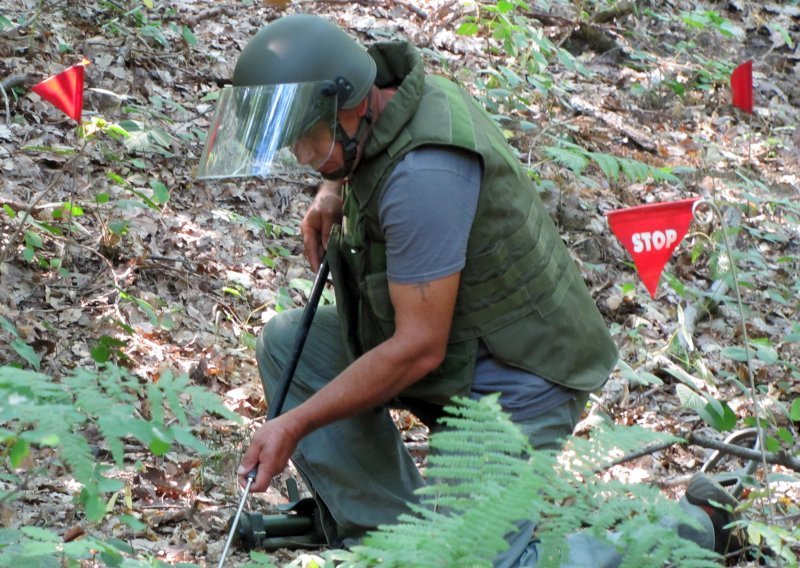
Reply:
x=235, y=521
x=283, y=387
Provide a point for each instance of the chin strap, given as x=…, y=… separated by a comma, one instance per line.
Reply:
x=350, y=144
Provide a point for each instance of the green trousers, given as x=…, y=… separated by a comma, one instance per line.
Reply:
x=359, y=467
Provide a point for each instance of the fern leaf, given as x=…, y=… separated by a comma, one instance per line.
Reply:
x=78, y=456
x=487, y=478
x=608, y=164
x=635, y=170
x=171, y=386
x=575, y=161
x=205, y=401
x=156, y=398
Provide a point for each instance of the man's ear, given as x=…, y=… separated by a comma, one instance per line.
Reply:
x=363, y=106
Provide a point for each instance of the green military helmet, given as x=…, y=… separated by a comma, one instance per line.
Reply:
x=302, y=48
x=281, y=113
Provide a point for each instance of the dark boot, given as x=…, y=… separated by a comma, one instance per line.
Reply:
x=301, y=524
x=720, y=506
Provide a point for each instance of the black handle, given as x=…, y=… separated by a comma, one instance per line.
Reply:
x=276, y=405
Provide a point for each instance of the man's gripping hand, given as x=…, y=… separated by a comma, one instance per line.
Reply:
x=270, y=449
x=324, y=213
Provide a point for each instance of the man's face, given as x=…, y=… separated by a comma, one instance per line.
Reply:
x=260, y=130
x=313, y=147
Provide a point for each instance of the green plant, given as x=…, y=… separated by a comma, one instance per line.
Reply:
x=140, y=21
x=40, y=231
x=34, y=546
x=41, y=415
x=488, y=478
x=157, y=312
x=305, y=285
x=22, y=349
x=270, y=234
x=577, y=159
x=6, y=24
x=778, y=539
x=711, y=19
x=523, y=53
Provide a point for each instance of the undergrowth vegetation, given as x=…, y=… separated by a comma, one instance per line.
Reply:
x=488, y=478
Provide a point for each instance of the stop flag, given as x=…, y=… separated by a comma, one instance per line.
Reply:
x=650, y=233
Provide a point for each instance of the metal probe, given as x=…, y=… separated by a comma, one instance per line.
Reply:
x=283, y=387
x=250, y=477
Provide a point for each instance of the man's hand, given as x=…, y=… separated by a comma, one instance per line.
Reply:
x=324, y=213
x=271, y=447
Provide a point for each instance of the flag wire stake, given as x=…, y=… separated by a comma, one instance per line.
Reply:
x=5, y=99
x=750, y=375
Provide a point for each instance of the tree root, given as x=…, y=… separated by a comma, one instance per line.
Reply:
x=621, y=10
x=781, y=458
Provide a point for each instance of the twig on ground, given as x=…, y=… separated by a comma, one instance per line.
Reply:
x=699, y=308
x=14, y=81
x=410, y=5
x=5, y=100
x=646, y=451
x=775, y=458
x=405, y=3
x=20, y=207
x=203, y=15
x=781, y=458
x=621, y=10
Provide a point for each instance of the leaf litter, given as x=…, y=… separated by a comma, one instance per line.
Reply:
x=194, y=273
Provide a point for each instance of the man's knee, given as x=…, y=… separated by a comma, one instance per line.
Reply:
x=273, y=331
x=322, y=358
x=273, y=344
x=551, y=430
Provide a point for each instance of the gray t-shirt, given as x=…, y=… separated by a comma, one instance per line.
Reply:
x=426, y=214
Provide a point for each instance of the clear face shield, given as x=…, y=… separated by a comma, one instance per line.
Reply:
x=270, y=129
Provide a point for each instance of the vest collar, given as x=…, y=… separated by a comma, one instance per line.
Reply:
x=399, y=65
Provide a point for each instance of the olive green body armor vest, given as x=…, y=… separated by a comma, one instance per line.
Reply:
x=520, y=291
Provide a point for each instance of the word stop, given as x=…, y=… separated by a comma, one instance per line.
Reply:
x=655, y=240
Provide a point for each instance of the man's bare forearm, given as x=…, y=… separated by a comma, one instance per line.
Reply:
x=418, y=346
x=372, y=380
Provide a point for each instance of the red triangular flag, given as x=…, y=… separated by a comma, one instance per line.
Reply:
x=742, y=86
x=64, y=91
x=650, y=233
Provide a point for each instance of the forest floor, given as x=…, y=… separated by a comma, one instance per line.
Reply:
x=158, y=271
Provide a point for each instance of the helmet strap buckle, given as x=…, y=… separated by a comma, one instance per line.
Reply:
x=342, y=88
x=350, y=143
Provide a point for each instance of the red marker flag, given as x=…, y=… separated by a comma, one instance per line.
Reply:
x=64, y=91
x=742, y=86
x=650, y=233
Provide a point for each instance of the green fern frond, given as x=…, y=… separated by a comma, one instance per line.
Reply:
x=37, y=410
x=485, y=478
x=78, y=456
x=203, y=401
x=171, y=387
x=608, y=164
x=577, y=159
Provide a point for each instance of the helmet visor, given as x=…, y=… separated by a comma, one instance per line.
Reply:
x=265, y=130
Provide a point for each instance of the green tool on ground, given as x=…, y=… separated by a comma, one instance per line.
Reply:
x=283, y=388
